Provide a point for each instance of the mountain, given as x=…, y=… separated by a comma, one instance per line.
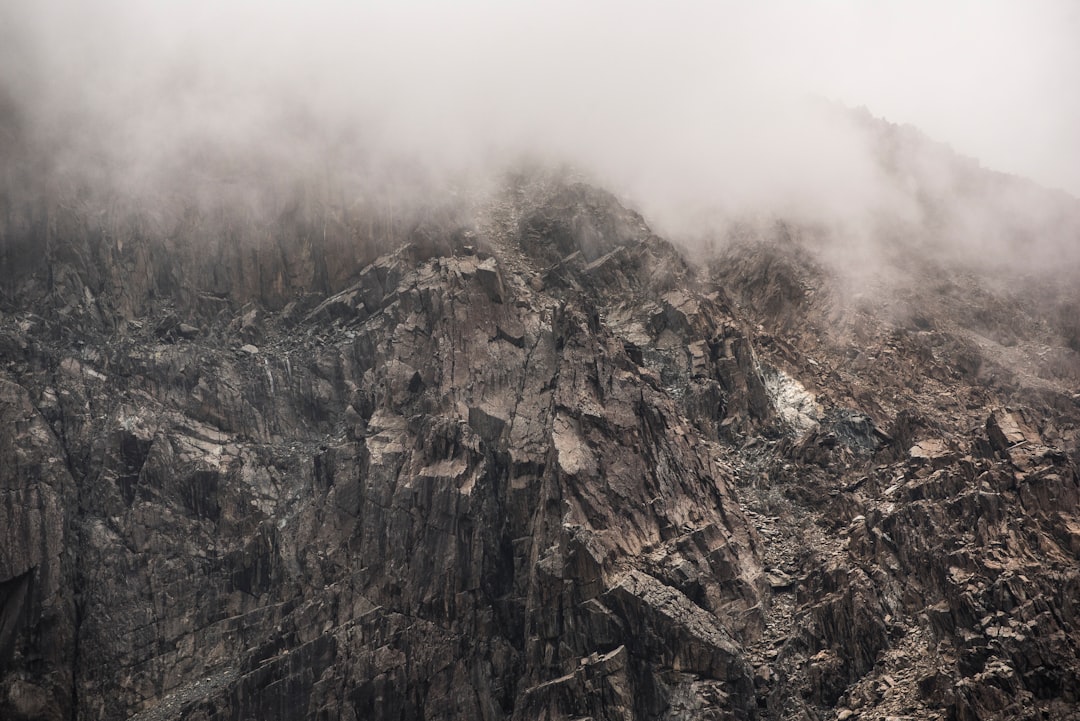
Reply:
x=512, y=455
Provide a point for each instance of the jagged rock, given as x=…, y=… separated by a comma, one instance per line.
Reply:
x=579, y=218
x=1006, y=431
x=187, y=331
x=487, y=273
x=539, y=469
x=932, y=451
x=37, y=564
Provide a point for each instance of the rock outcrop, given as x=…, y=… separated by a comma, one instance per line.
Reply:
x=526, y=463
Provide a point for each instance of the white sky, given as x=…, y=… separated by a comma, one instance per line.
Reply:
x=643, y=91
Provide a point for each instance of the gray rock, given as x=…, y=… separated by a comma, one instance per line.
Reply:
x=440, y=487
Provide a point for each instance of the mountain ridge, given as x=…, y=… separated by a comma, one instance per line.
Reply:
x=517, y=457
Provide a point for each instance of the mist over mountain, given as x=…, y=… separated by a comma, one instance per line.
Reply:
x=515, y=362
x=698, y=116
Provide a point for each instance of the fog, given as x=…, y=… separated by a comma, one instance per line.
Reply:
x=694, y=112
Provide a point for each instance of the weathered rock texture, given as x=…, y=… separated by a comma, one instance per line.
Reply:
x=526, y=465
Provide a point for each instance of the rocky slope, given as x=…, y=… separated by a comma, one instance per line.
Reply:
x=518, y=460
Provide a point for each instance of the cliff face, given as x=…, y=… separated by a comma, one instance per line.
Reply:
x=521, y=461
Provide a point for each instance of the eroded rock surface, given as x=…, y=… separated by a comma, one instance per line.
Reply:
x=533, y=466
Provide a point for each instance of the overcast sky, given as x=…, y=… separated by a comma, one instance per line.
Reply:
x=681, y=98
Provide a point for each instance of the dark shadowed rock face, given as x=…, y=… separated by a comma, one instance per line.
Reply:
x=528, y=466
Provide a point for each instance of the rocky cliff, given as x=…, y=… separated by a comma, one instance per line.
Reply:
x=518, y=459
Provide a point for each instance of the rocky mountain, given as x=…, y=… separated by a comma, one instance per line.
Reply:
x=515, y=457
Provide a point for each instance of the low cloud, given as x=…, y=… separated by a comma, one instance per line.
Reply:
x=696, y=113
